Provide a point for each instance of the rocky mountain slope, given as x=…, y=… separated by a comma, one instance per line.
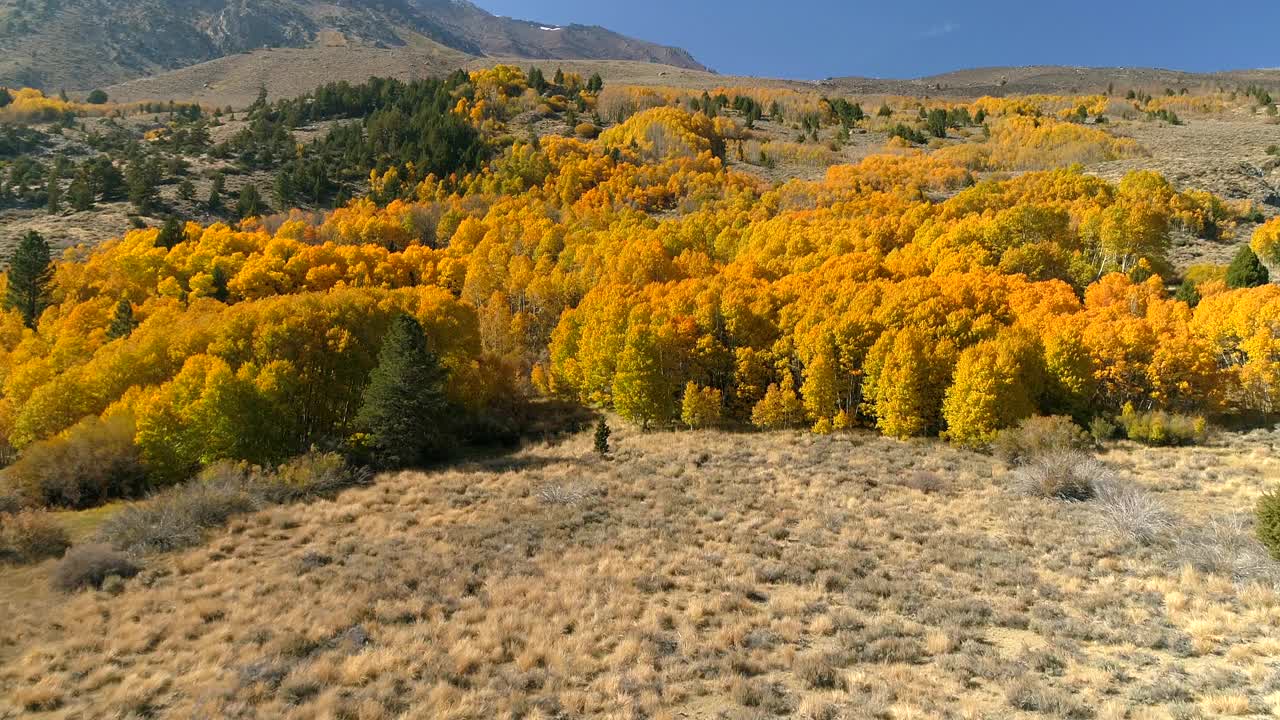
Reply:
x=81, y=44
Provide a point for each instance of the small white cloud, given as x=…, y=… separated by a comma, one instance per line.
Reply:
x=945, y=28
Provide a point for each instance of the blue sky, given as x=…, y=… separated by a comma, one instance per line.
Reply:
x=814, y=39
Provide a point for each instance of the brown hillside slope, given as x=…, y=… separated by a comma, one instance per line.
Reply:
x=693, y=575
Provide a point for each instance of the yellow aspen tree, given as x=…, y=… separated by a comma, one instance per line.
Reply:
x=997, y=383
x=819, y=388
x=640, y=390
x=700, y=407
x=779, y=408
x=909, y=389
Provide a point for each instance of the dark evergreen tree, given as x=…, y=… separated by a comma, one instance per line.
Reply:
x=214, y=202
x=1188, y=293
x=105, y=179
x=936, y=122
x=122, y=322
x=1246, y=270
x=537, y=80
x=602, y=437
x=250, y=203
x=142, y=178
x=595, y=84
x=30, y=271
x=54, y=189
x=80, y=194
x=405, y=413
x=186, y=191
x=220, y=280
x=171, y=233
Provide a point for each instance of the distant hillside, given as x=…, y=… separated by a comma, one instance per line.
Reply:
x=81, y=44
x=1058, y=79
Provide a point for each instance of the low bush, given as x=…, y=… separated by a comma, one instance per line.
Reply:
x=1101, y=430
x=310, y=476
x=1268, y=530
x=1039, y=435
x=1132, y=512
x=31, y=536
x=96, y=460
x=10, y=500
x=1227, y=546
x=1162, y=428
x=179, y=517
x=89, y=566
x=1061, y=475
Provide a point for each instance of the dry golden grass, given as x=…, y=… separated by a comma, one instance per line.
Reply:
x=691, y=575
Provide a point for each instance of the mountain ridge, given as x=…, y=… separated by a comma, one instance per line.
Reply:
x=83, y=44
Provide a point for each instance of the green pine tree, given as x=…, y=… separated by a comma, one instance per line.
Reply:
x=602, y=437
x=1246, y=270
x=214, y=202
x=30, y=270
x=55, y=189
x=171, y=233
x=80, y=194
x=250, y=203
x=186, y=191
x=405, y=413
x=122, y=322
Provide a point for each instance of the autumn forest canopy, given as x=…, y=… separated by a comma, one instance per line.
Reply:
x=929, y=290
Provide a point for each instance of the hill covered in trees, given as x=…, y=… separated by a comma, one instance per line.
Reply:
x=801, y=324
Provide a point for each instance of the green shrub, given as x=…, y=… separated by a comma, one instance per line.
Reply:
x=31, y=536
x=1269, y=522
x=1162, y=428
x=309, y=476
x=1037, y=436
x=1101, y=430
x=94, y=462
x=90, y=566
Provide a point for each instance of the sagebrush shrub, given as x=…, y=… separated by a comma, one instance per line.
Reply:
x=177, y=517
x=10, y=500
x=88, y=566
x=95, y=461
x=1039, y=435
x=31, y=536
x=1061, y=475
x=180, y=516
x=1131, y=511
x=1227, y=545
x=1268, y=513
